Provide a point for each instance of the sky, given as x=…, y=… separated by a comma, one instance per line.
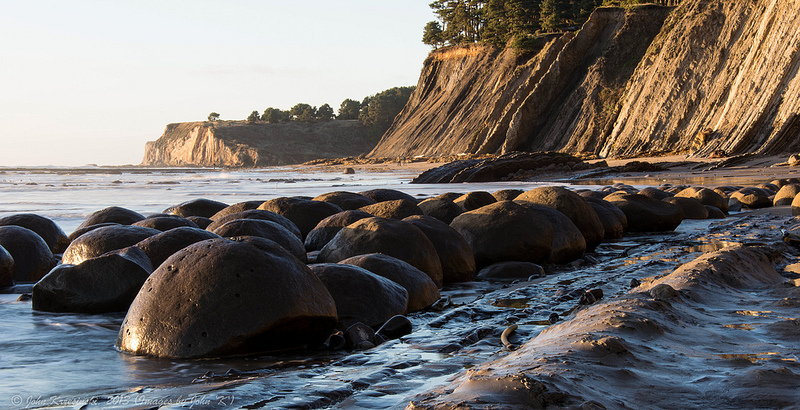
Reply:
x=90, y=81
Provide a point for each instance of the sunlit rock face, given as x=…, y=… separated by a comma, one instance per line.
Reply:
x=219, y=297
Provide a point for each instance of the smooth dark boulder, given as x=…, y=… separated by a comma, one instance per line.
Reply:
x=327, y=228
x=568, y=241
x=574, y=206
x=692, y=208
x=385, y=194
x=80, y=231
x=346, y=200
x=752, y=198
x=795, y=206
x=714, y=212
x=161, y=246
x=786, y=194
x=706, y=197
x=105, y=239
x=655, y=193
x=220, y=297
x=449, y=196
x=504, y=231
x=455, y=254
x=593, y=194
x=32, y=256
x=304, y=213
x=165, y=223
x=615, y=224
x=395, y=328
x=264, y=229
x=394, y=209
x=201, y=221
x=360, y=295
x=444, y=210
x=256, y=214
x=495, y=169
x=422, y=292
x=395, y=238
x=236, y=208
x=103, y=284
x=197, y=207
x=6, y=268
x=510, y=271
x=645, y=214
x=53, y=236
x=474, y=200
x=115, y=214
x=507, y=194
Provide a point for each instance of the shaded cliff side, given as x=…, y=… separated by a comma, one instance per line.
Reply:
x=703, y=77
x=239, y=144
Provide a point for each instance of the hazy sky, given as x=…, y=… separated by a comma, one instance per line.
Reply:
x=90, y=81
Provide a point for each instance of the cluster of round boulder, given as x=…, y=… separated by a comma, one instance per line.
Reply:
x=208, y=279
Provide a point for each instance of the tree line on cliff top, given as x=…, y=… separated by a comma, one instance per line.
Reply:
x=500, y=21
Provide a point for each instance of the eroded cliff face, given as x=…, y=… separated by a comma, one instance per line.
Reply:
x=238, y=144
x=708, y=76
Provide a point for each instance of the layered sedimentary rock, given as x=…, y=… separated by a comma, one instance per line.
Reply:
x=238, y=144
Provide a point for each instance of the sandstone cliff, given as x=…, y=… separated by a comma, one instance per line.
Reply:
x=709, y=75
x=238, y=144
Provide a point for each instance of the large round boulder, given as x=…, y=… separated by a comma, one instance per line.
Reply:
x=107, y=283
x=455, y=254
x=395, y=209
x=573, y=206
x=256, y=214
x=53, y=236
x=645, y=214
x=692, y=208
x=80, y=231
x=31, y=255
x=502, y=271
x=474, y=200
x=264, y=229
x=752, y=198
x=786, y=194
x=327, y=228
x=197, y=207
x=422, y=292
x=568, y=242
x=106, y=239
x=6, y=268
x=346, y=200
x=304, y=213
x=505, y=231
x=706, y=197
x=219, y=297
x=161, y=246
x=236, y=208
x=114, y=214
x=444, y=210
x=386, y=194
x=655, y=193
x=395, y=238
x=615, y=224
x=360, y=295
x=507, y=194
x=165, y=223
x=795, y=207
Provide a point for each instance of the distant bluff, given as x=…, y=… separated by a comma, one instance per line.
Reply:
x=708, y=77
x=239, y=144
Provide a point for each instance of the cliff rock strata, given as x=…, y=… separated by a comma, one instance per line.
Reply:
x=238, y=144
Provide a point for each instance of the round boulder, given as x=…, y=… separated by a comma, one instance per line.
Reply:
x=113, y=214
x=510, y=271
x=396, y=209
x=105, y=239
x=573, y=206
x=236, y=208
x=422, y=292
x=474, y=200
x=385, y=194
x=455, y=254
x=31, y=255
x=219, y=297
x=568, y=242
x=507, y=194
x=6, y=268
x=161, y=246
x=613, y=219
x=345, y=200
x=197, y=207
x=327, y=228
x=165, y=223
x=264, y=229
x=304, y=213
x=714, y=212
x=692, y=208
x=705, y=196
x=752, y=198
x=655, y=193
x=256, y=214
x=107, y=283
x=360, y=295
x=80, y=231
x=53, y=236
x=444, y=210
x=645, y=214
x=795, y=207
x=786, y=194
x=395, y=238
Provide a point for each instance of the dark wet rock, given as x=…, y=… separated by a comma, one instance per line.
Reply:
x=771, y=188
x=444, y=210
x=692, y=208
x=256, y=214
x=161, y=246
x=385, y=194
x=714, y=212
x=197, y=207
x=6, y=268
x=449, y=196
x=474, y=200
x=510, y=271
x=590, y=297
x=360, y=295
x=327, y=228
x=264, y=229
x=395, y=328
x=507, y=194
x=103, y=284
x=422, y=291
x=359, y=336
x=53, y=236
x=593, y=194
x=200, y=221
x=568, y=241
x=494, y=169
x=505, y=231
x=335, y=341
x=752, y=198
x=80, y=231
x=113, y=214
x=796, y=206
x=455, y=254
x=646, y=214
x=663, y=292
x=105, y=239
x=574, y=206
x=706, y=197
x=614, y=221
x=304, y=213
x=394, y=209
x=345, y=200
x=349, y=171
x=236, y=208
x=786, y=194
x=165, y=223
x=261, y=242
x=655, y=193
x=32, y=256
x=734, y=205
x=395, y=238
x=219, y=297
